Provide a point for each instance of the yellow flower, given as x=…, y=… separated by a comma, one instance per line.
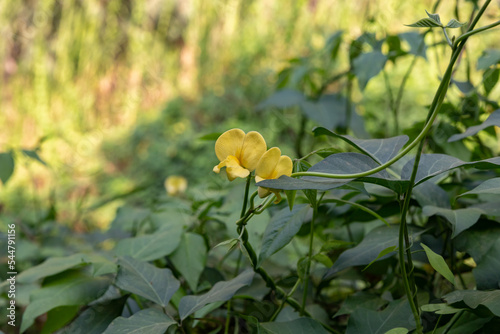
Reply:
x=239, y=152
x=175, y=185
x=272, y=165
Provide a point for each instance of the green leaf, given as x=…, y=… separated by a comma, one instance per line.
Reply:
x=492, y=120
x=52, y=266
x=367, y=66
x=491, y=186
x=373, y=243
x=434, y=17
x=152, y=246
x=146, y=280
x=329, y=110
x=59, y=317
x=488, y=58
x=441, y=308
x=416, y=42
x=323, y=259
x=150, y=321
x=434, y=164
x=282, y=228
x=69, y=288
x=210, y=136
x=6, y=166
x=128, y=218
x=383, y=253
x=297, y=326
x=380, y=150
x=284, y=98
x=424, y=23
x=221, y=291
x=455, y=24
x=474, y=298
x=460, y=219
x=490, y=79
x=190, y=258
x=396, y=314
x=439, y=264
x=361, y=299
x=34, y=155
x=290, y=196
x=332, y=44
x=483, y=244
x=397, y=330
x=97, y=317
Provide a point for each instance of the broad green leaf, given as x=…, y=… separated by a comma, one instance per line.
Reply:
x=424, y=23
x=97, y=317
x=282, y=228
x=52, y=266
x=460, y=219
x=488, y=58
x=433, y=164
x=221, y=291
x=361, y=299
x=297, y=326
x=146, y=280
x=397, y=330
x=284, y=98
x=366, y=251
x=441, y=308
x=190, y=258
x=455, y=24
x=383, y=253
x=474, y=298
x=490, y=79
x=289, y=183
x=492, y=120
x=380, y=150
x=128, y=218
x=416, y=42
x=483, y=244
x=491, y=186
x=332, y=44
x=467, y=323
x=152, y=246
x=396, y=314
x=434, y=17
x=329, y=110
x=69, y=288
x=150, y=321
x=428, y=193
x=58, y=318
x=439, y=264
x=367, y=66
x=6, y=166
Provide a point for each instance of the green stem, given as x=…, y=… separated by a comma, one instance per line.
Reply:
x=476, y=31
x=453, y=321
x=359, y=206
x=309, y=259
x=245, y=198
x=447, y=38
x=282, y=304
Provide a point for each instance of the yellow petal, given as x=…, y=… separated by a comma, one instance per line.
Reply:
x=234, y=169
x=263, y=192
x=229, y=143
x=284, y=167
x=252, y=149
x=267, y=163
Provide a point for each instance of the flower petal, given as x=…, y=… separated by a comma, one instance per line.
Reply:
x=234, y=169
x=284, y=167
x=229, y=143
x=267, y=163
x=252, y=149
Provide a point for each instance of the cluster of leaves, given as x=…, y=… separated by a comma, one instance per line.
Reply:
x=166, y=266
